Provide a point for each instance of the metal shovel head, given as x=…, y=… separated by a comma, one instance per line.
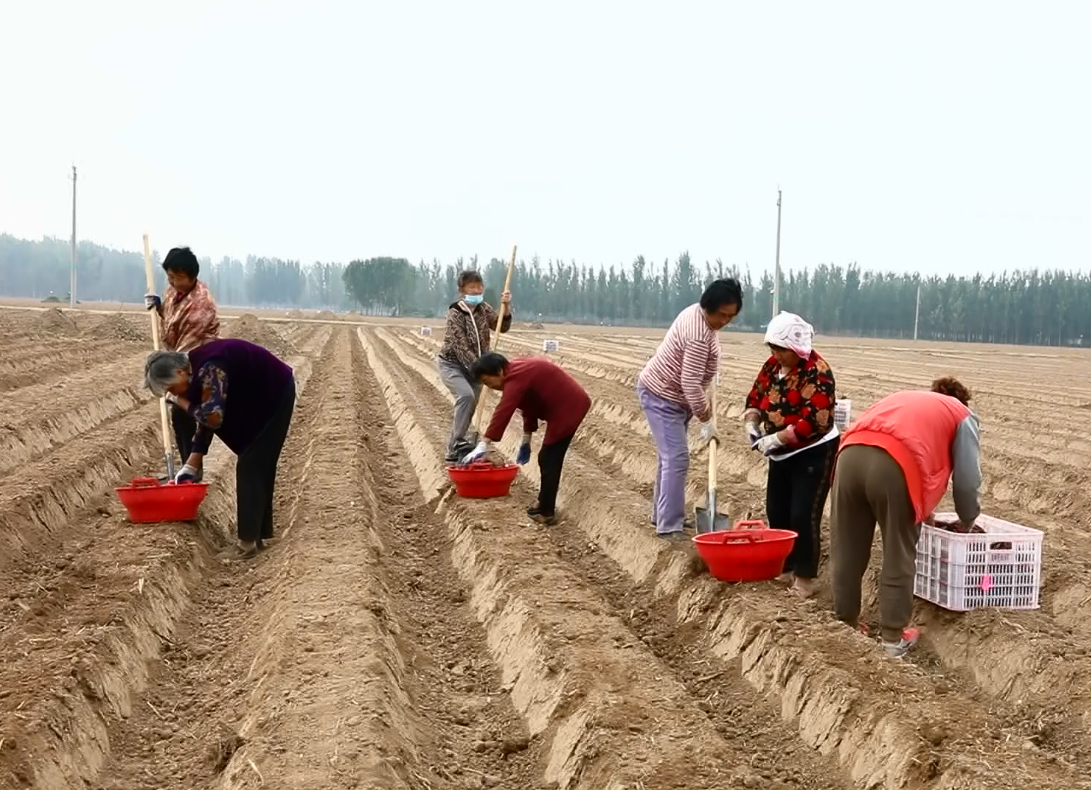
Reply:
x=705, y=522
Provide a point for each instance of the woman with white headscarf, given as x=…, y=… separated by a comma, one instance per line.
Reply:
x=789, y=419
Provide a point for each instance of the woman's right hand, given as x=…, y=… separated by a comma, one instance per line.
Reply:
x=753, y=432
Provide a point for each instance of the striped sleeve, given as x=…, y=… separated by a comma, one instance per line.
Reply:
x=684, y=363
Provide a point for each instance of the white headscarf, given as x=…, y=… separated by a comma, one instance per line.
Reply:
x=788, y=330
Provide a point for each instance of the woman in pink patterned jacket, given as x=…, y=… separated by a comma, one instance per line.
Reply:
x=189, y=321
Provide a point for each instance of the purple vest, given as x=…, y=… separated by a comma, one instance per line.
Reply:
x=256, y=383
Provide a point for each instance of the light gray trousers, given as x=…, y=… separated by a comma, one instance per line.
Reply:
x=466, y=394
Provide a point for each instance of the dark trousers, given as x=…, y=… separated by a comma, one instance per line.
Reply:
x=256, y=473
x=870, y=487
x=550, y=463
x=795, y=496
x=184, y=429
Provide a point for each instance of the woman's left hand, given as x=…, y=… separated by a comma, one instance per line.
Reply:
x=767, y=445
x=505, y=298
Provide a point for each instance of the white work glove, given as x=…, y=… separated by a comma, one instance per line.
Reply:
x=187, y=474
x=707, y=434
x=151, y=301
x=753, y=432
x=769, y=444
x=477, y=453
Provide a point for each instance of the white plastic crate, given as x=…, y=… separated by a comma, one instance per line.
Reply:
x=426, y=331
x=963, y=572
x=842, y=413
x=550, y=345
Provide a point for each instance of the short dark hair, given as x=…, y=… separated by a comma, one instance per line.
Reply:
x=468, y=277
x=489, y=364
x=182, y=259
x=720, y=293
x=952, y=388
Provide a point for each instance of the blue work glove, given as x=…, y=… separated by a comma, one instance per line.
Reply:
x=152, y=302
x=187, y=474
x=476, y=454
x=524, y=450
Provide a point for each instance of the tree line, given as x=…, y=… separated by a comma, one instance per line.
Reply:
x=1032, y=306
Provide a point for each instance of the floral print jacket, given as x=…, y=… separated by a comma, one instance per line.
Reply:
x=468, y=334
x=801, y=400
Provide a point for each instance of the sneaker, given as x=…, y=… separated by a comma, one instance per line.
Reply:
x=677, y=536
x=901, y=647
x=687, y=526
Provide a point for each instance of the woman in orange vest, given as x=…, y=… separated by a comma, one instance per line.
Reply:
x=893, y=467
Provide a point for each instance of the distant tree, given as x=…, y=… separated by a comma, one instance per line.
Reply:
x=384, y=283
x=1048, y=307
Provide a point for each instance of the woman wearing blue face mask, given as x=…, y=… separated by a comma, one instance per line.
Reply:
x=467, y=337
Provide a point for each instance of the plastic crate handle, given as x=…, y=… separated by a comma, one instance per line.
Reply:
x=145, y=482
x=752, y=523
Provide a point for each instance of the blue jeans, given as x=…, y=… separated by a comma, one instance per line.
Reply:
x=668, y=422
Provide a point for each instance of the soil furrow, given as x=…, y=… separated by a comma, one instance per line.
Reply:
x=325, y=710
x=567, y=666
x=93, y=616
x=593, y=512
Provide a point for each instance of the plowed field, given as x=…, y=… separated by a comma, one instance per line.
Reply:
x=395, y=636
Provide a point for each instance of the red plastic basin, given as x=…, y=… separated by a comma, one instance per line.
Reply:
x=151, y=502
x=745, y=553
x=482, y=480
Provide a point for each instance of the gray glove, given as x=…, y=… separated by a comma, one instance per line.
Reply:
x=152, y=302
x=753, y=432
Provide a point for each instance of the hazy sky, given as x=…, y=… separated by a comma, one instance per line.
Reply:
x=939, y=136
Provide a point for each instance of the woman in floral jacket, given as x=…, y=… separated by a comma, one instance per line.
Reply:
x=189, y=320
x=789, y=419
x=467, y=337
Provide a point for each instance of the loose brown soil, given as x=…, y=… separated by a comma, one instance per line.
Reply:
x=252, y=328
x=395, y=636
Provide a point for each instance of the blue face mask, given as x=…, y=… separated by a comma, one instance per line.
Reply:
x=473, y=299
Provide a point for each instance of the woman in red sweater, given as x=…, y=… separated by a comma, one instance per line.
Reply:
x=542, y=391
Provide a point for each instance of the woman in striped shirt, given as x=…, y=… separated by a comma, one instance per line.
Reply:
x=672, y=388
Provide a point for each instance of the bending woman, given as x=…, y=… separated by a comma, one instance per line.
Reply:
x=242, y=393
x=789, y=418
x=893, y=468
x=467, y=337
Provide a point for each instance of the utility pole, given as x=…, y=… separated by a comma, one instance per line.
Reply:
x=776, y=272
x=72, y=278
x=917, y=315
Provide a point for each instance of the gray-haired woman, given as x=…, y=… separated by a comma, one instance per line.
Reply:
x=242, y=393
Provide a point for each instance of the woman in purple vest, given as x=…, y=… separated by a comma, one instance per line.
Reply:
x=242, y=393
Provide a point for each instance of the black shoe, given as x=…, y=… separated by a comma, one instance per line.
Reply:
x=533, y=511
x=547, y=521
